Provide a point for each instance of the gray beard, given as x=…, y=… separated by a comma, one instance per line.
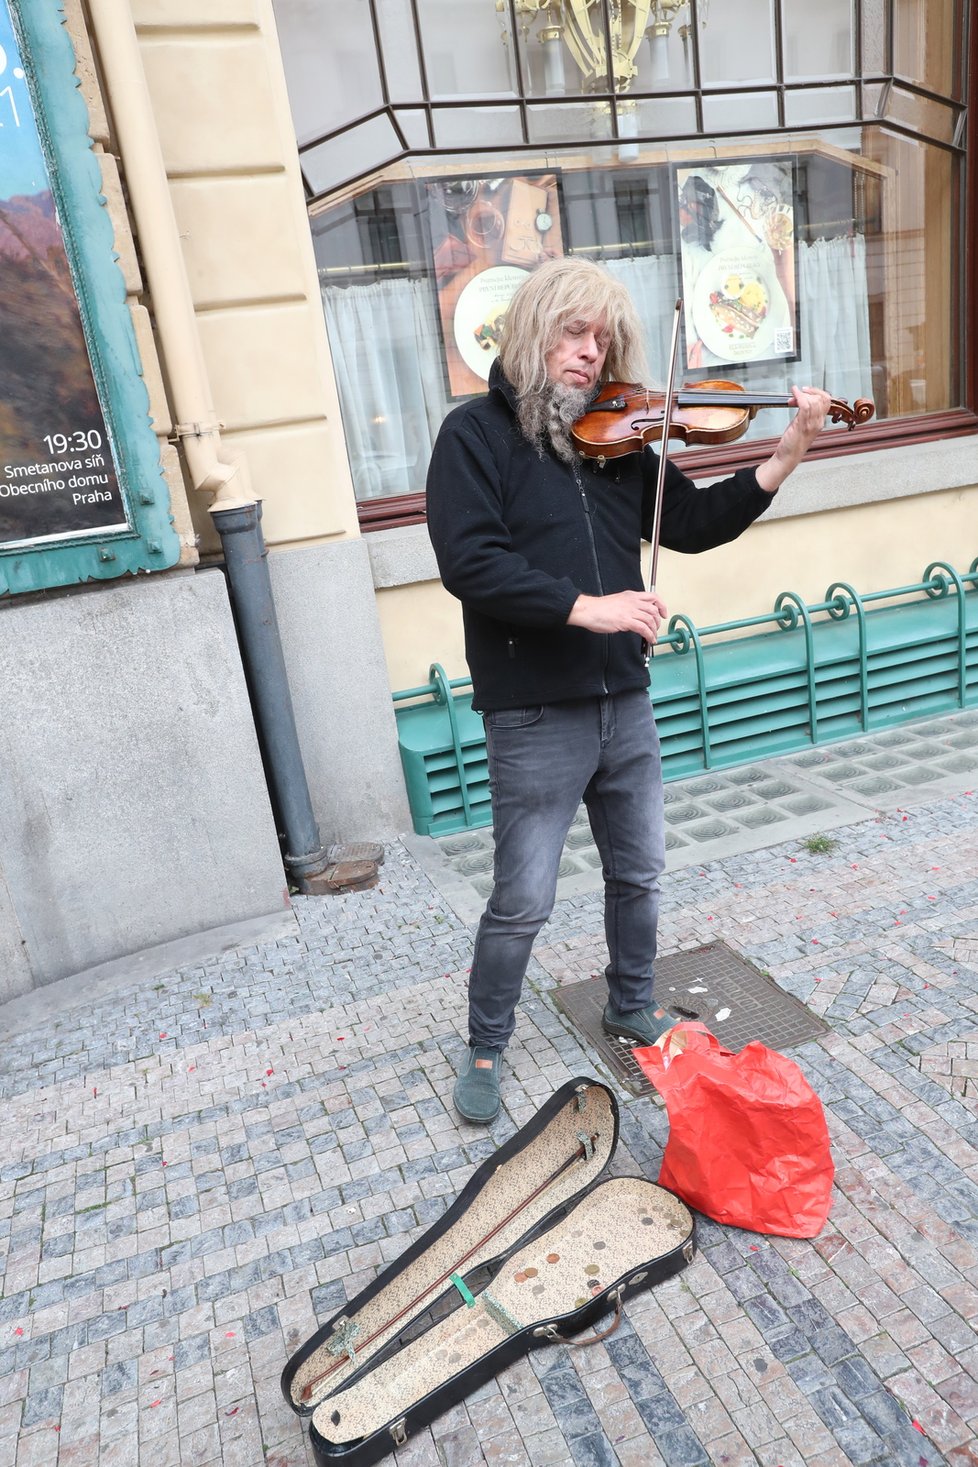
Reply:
x=545, y=417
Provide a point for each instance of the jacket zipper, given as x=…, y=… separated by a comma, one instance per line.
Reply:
x=597, y=567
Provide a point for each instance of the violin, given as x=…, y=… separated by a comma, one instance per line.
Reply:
x=625, y=416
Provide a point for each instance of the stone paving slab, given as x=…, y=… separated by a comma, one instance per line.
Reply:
x=200, y=1164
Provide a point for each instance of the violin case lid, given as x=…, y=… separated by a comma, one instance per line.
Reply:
x=537, y=1245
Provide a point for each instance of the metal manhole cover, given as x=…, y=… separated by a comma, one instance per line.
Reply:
x=733, y=1000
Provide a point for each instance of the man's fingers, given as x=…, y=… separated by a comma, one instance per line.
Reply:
x=622, y=611
x=649, y=614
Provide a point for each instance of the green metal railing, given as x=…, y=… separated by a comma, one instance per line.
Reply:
x=807, y=674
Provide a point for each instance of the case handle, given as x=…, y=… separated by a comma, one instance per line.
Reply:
x=551, y=1332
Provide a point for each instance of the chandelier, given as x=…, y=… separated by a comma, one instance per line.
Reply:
x=583, y=29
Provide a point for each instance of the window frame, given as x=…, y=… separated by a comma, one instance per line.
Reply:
x=409, y=509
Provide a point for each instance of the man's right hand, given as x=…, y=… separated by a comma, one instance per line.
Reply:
x=625, y=611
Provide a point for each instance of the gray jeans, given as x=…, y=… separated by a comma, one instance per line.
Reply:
x=543, y=761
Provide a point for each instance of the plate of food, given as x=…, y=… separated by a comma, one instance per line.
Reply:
x=480, y=314
x=740, y=311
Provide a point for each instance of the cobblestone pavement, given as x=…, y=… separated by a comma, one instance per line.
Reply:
x=199, y=1165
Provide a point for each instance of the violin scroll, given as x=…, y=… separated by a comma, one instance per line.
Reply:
x=853, y=417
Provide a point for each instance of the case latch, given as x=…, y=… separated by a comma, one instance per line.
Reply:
x=399, y=1432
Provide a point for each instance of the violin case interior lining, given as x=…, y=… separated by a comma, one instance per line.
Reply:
x=538, y=1244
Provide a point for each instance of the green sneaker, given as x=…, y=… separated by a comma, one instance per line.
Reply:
x=645, y=1026
x=477, y=1087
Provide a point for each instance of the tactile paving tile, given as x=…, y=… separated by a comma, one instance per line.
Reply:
x=721, y=812
x=735, y=1001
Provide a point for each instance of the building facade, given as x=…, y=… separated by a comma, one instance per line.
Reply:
x=318, y=212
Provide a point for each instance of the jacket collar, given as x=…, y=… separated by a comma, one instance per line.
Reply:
x=499, y=382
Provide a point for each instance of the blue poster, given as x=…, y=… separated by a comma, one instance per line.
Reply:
x=57, y=476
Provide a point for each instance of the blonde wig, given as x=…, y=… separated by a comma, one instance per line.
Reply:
x=557, y=293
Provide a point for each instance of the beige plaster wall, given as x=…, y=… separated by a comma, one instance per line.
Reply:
x=215, y=76
x=420, y=625
x=873, y=547
x=159, y=409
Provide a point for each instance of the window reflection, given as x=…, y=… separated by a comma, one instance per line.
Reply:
x=818, y=39
x=331, y=64
x=924, y=49
x=869, y=265
x=740, y=47
x=703, y=69
x=463, y=53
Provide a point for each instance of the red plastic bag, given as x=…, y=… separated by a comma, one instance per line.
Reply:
x=748, y=1144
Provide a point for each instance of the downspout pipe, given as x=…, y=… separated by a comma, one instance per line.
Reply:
x=213, y=470
x=246, y=559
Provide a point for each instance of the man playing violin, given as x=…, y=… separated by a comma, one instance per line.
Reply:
x=542, y=548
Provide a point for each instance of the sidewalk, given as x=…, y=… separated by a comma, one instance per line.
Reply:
x=199, y=1164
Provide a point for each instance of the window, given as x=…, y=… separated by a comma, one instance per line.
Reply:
x=856, y=111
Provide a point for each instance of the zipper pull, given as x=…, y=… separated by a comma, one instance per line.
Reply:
x=581, y=490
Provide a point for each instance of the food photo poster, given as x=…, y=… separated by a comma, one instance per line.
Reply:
x=737, y=257
x=487, y=235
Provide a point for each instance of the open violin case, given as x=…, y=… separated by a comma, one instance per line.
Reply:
x=537, y=1246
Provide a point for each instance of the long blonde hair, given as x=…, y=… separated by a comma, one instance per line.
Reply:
x=558, y=292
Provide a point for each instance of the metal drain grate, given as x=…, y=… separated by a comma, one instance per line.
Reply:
x=733, y=1000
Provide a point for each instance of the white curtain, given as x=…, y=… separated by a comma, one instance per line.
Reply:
x=389, y=374
x=834, y=301
x=651, y=282
x=387, y=355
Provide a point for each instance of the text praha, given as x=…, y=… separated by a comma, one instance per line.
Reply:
x=72, y=492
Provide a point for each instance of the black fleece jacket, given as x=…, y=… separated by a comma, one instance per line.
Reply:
x=518, y=539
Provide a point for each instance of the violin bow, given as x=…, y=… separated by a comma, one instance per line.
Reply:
x=663, y=448
x=583, y=1152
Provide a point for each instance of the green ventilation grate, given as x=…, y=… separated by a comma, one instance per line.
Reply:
x=443, y=754
x=818, y=674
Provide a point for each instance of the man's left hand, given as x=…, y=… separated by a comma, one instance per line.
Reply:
x=813, y=405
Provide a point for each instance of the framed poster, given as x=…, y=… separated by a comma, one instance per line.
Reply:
x=737, y=256
x=57, y=479
x=82, y=494
x=487, y=234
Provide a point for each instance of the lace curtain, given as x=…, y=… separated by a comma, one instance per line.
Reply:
x=387, y=359
x=386, y=351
